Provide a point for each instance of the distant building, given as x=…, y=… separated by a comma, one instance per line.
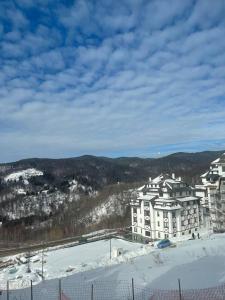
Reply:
x=212, y=193
x=165, y=207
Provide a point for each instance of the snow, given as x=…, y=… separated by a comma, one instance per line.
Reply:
x=21, y=192
x=24, y=174
x=215, y=161
x=113, y=205
x=198, y=263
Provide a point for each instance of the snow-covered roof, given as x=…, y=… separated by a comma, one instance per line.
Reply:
x=164, y=178
x=167, y=207
x=215, y=161
x=200, y=187
x=170, y=180
x=204, y=175
x=158, y=179
x=146, y=197
x=220, y=160
x=185, y=199
x=141, y=188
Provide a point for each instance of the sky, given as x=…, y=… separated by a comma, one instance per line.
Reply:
x=112, y=78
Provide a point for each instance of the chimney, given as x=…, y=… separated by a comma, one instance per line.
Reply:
x=150, y=179
x=173, y=176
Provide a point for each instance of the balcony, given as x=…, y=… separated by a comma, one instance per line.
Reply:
x=135, y=202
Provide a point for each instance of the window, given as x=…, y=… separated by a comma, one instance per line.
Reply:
x=158, y=234
x=182, y=213
x=147, y=233
x=135, y=219
x=182, y=223
x=188, y=203
x=166, y=224
x=134, y=210
x=146, y=203
x=180, y=193
x=166, y=236
x=173, y=214
x=157, y=213
x=147, y=222
x=189, y=231
x=135, y=229
x=147, y=213
x=196, y=229
x=158, y=223
x=175, y=235
x=165, y=214
x=171, y=194
x=223, y=168
x=182, y=233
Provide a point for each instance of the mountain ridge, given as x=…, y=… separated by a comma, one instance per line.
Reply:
x=78, y=194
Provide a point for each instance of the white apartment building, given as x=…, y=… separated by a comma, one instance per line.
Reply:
x=165, y=207
x=212, y=193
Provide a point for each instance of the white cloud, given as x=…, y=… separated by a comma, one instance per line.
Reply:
x=112, y=78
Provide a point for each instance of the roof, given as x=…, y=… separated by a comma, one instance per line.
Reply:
x=167, y=207
x=141, y=188
x=200, y=187
x=158, y=179
x=205, y=174
x=163, y=177
x=220, y=160
x=185, y=199
x=147, y=197
x=215, y=161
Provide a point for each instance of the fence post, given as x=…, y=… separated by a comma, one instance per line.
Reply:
x=179, y=288
x=60, y=290
x=7, y=290
x=132, y=288
x=92, y=292
x=31, y=290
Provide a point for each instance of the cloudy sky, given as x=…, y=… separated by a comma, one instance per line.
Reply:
x=113, y=78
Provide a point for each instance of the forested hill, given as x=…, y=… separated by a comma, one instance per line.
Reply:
x=61, y=197
x=102, y=170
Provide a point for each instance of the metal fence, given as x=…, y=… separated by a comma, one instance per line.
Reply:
x=65, y=289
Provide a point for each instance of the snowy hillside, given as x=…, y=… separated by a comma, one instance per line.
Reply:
x=24, y=175
x=78, y=195
x=115, y=204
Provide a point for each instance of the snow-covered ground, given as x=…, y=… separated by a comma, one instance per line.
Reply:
x=24, y=174
x=198, y=263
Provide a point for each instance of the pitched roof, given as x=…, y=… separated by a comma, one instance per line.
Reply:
x=220, y=160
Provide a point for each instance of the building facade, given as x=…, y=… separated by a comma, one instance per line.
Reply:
x=165, y=207
x=212, y=193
